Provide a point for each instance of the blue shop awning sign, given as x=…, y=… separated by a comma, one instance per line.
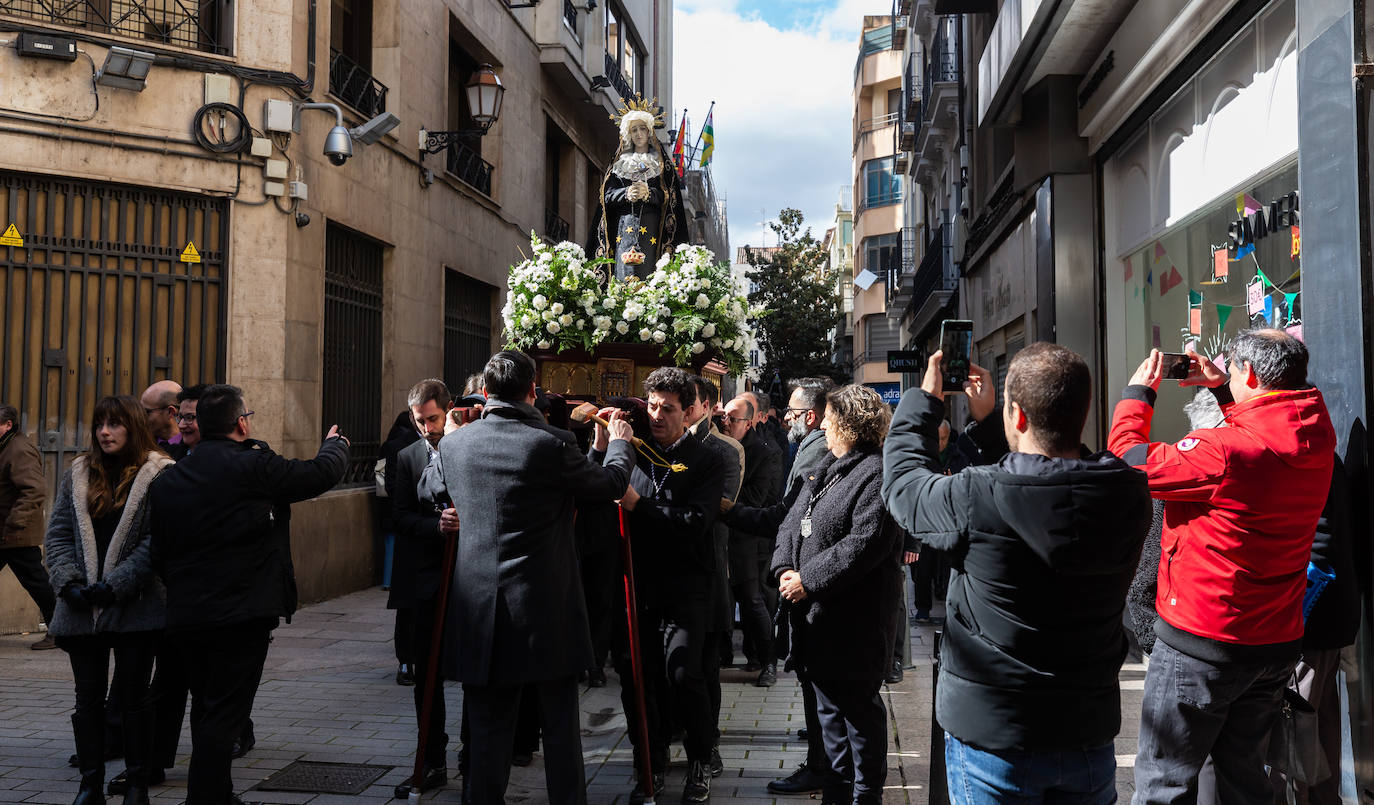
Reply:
x=890, y=392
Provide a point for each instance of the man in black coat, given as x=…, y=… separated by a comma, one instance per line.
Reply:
x=1043, y=546
x=423, y=518
x=751, y=554
x=671, y=504
x=517, y=615
x=220, y=546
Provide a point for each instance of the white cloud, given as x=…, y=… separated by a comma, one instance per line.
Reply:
x=783, y=116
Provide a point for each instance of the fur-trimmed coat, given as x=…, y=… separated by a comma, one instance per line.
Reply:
x=70, y=546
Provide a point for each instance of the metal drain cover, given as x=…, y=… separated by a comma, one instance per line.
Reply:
x=310, y=777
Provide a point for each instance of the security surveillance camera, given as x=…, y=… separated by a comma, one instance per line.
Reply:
x=374, y=129
x=338, y=146
x=302, y=219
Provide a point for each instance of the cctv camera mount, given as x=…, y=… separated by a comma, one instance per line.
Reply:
x=338, y=144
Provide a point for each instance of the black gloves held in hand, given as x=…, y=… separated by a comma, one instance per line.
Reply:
x=81, y=597
x=99, y=594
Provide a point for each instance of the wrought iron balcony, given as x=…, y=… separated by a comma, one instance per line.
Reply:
x=936, y=273
x=351, y=83
x=469, y=166
x=201, y=26
x=942, y=64
x=570, y=15
x=617, y=79
x=555, y=228
x=899, y=274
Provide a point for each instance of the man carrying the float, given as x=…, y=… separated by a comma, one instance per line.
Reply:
x=674, y=493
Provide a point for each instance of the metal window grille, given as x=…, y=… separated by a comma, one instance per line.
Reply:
x=555, y=228
x=98, y=302
x=570, y=15
x=352, y=393
x=200, y=24
x=467, y=328
x=351, y=83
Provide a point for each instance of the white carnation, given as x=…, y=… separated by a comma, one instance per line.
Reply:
x=565, y=319
x=540, y=302
x=581, y=324
x=660, y=336
x=543, y=345
x=622, y=328
x=709, y=330
x=553, y=327
x=557, y=308
x=703, y=301
x=698, y=348
x=645, y=334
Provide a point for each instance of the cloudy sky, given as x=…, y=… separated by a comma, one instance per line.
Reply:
x=781, y=74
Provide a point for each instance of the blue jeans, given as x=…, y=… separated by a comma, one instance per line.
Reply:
x=1019, y=777
x=1192, y=709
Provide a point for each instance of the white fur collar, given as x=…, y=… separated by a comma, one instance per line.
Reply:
x=80, y=490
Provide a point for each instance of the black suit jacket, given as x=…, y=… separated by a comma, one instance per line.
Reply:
x=417, y=563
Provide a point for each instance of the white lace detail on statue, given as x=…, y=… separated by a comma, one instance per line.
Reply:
x=635, y=167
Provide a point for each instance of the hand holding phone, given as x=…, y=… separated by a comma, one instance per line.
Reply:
x=1176, y=365
x=956, y=344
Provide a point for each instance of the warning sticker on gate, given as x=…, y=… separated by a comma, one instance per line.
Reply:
x=189, y=254
x=11, y=237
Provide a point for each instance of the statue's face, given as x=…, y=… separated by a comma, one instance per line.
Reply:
x=639, y=136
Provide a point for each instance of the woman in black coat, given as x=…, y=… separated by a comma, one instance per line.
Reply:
x=836, y=564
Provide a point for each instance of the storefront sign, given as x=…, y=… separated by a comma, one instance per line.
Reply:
x=890, y=392
x=1257, y=224
x=904, y=360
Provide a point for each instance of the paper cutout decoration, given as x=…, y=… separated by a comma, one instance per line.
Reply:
x=1150, y=277
x=1194, y=298
x=1195, y=320
x=1269, y=308
x=1254, y=297
x=1223, y=313
x=1160, y=254
x=1288, y=300
x=1297, y=242
x=1169, y=281
x=1245, y=251
x=1246, y=204
x=1268, y=283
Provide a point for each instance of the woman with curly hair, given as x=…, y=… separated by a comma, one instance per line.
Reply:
x=837, y=567
x=108, y=597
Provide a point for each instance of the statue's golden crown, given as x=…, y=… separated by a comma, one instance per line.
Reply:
x=638, y=104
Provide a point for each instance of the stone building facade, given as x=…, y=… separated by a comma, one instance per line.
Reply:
x=323, y=290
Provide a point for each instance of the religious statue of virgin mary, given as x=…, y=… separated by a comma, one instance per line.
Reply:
x=641, y=212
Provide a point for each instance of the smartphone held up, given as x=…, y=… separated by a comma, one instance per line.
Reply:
x=956, y=342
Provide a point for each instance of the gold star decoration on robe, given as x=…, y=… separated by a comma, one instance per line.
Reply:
x=643, y=229
x=617, y=238
x=630, y=230
x=653, y=241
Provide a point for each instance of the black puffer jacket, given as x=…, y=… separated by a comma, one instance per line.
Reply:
x=843, y=629
x=1043, y=550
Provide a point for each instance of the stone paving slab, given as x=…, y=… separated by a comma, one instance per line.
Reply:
x=328, y=694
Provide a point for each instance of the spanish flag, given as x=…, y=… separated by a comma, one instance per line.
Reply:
x=708, y=138
x=679, y=148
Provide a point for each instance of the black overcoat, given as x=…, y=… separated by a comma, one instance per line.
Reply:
x=418, y=558
x=844, y=628
x=517, y=612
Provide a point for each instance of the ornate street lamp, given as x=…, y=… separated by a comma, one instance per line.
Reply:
x=484, y=93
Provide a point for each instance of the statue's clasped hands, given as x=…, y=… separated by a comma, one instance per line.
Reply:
x=638, y=191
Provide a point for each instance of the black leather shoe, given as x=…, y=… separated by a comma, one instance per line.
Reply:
x=637, y=793
x=717, y=765
x=120, y=782
x=768, y=676
x=697, y=788
x=596, y=678
x=405, y=676
x=752, y=666
x=243, y=744
x=136, y=795
x=801, y=733
x=801, y=781
x=429, y=780
x=894, y=675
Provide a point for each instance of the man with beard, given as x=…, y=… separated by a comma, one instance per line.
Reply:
x=424, y=518
x=671, y=504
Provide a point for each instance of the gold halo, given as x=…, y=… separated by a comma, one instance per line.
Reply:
x=638, y=104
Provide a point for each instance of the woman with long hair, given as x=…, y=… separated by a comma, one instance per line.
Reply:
x=641, y=213
x=97, y=548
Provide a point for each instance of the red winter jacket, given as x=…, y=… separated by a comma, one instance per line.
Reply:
x=1243, y=502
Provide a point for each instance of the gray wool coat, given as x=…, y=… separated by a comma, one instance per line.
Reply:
x=517, y=612
x=140, y=599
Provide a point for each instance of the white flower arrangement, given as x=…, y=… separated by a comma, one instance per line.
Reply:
x=688, y=302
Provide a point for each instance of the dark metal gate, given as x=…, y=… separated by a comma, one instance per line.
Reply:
x=352, y=393
x=98, y=301
x=467, y=328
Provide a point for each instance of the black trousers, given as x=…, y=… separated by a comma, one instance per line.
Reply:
x=711, y=670
x=927, y=575
x=672, y=641
x=746, y=585
x=422, y=616
x=223, y=666
x=816, y=758
x=27, y=564
x=854, y=722
x=601, y=586
x=403, y=636
x=171, y=689
x=90, y=659
x=492, y=711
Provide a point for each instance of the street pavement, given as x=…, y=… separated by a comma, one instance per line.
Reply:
x=328, y=694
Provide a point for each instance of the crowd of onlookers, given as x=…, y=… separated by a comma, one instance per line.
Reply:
x=514, y=519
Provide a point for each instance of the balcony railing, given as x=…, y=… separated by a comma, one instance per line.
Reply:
x=617, y=79
x=942, y=64
x=935, y=272
x=906, y=263
x=874, y=123
x=469, y=166
x=351, y=83
x=200, y=26
x=555, y=228
x=570, y=14
x=881, y=199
